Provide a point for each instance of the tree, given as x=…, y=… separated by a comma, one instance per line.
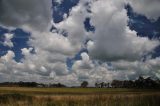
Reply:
x=84, y=84
x=102, y=84
x=117, y=84
x=96, y=85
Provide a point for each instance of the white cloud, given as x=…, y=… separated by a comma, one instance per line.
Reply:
x=52, y=42
x=113, y=40
x=59, y=1
x=8, y=38
x=148, y=68
x=94, y=72
x=121, y=70
x=26, y=51
x=51, y=49
x=74, y=24
x=8, y=57
x=149, y=8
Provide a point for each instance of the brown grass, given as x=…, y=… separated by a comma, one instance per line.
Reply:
x=78, y=97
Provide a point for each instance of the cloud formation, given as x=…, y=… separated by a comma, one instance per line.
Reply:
x=8, y=41
x=149, y=8
x=114, y=50
x=22, y=13
x=113, y=40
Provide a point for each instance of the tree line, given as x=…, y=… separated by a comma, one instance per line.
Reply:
x=29, y=84
x=141, y=83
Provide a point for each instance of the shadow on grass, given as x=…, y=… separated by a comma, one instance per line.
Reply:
x=7, y=98
x=16, y=99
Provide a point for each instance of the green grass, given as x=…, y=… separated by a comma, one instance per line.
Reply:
x=71, y=90
x=17, y=96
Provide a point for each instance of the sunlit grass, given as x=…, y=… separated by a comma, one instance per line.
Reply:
x=16, y=96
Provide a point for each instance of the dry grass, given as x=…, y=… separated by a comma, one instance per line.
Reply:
x=78, y=97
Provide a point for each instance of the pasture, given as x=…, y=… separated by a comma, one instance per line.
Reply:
x=21, y=96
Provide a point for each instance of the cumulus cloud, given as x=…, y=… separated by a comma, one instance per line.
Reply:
x=8, y=38
x=51, y=49
x=74, y=24
x=30, y=13
x=85, y=69
x=52, y=42
x=26, y=51
x=148, y=68
x=149, y=8
x=50, y=57
x=93, y=71
x=8, y=57
x=113, y=40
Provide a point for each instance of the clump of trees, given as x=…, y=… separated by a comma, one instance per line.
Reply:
x=30, y=84
x=84, y=84
x=19, y=84
x=58, y=85
x=102, y=85
x=141, y=82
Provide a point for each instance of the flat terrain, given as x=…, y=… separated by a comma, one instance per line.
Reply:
x=18, y=96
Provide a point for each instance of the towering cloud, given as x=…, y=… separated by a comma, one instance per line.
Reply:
x=113, y=40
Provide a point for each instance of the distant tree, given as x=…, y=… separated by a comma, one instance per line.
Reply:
x=96, y=85
x=107, y=85
x=102, y=84
x=139, y=83
x=84, y=84
x=58, y=85
x=117, y=84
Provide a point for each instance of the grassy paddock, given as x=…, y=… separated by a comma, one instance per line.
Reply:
x=17, y=96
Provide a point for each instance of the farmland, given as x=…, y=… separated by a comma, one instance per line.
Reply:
x=23, y=96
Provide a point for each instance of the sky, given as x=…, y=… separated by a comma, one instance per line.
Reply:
x=70, y=41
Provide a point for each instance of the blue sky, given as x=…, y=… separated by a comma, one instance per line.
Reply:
x=19, y=40
x=81, y=37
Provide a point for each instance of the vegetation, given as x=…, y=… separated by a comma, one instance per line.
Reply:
x=29, y=84
x=20, y=96
x=140, y=92
x=142, y=83
x=84, y=84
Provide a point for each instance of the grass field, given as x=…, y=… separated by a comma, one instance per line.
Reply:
x=17, y=96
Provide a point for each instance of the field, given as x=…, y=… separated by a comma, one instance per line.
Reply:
x=18, y=96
